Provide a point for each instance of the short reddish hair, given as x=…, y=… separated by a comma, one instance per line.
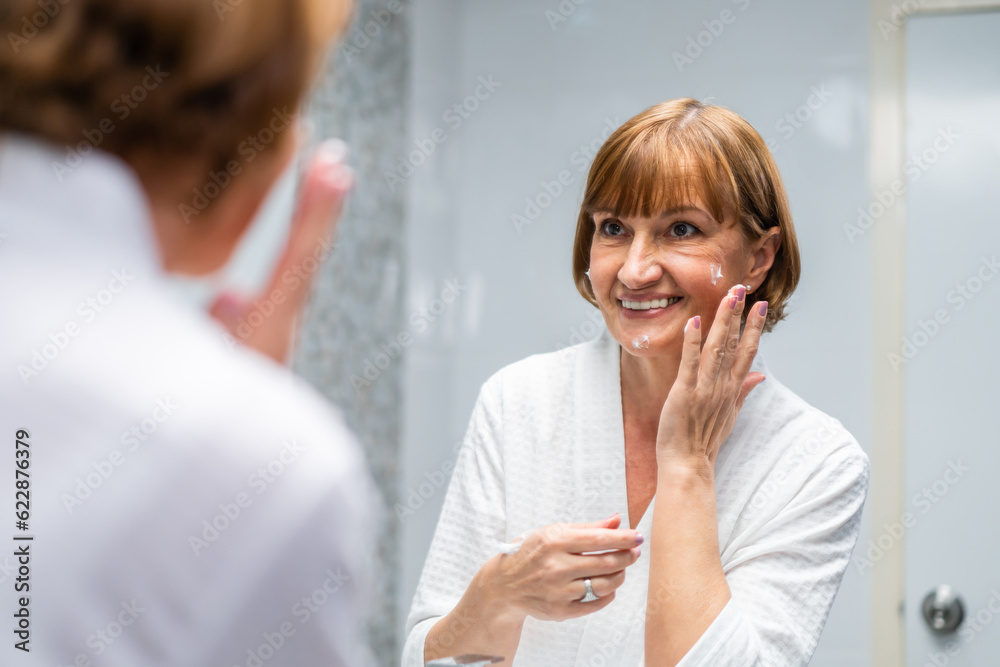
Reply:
x=673, y=150
x=223, y=67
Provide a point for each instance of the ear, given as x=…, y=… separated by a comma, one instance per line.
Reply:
x=762, y=254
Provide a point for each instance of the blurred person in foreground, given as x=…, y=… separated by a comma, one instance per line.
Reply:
x=189, y=502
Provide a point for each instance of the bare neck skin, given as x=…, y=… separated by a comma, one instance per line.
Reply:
x=199, y=243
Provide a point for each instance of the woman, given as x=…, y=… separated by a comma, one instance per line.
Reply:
x=750, y=498
x=191, y=503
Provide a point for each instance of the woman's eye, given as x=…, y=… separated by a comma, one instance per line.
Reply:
x=686, y=229
x=611, y=228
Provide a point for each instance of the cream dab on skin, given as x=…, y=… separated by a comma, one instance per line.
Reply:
x=716, y=273
x=640, y=342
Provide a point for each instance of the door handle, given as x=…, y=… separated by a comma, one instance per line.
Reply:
x=943, y=610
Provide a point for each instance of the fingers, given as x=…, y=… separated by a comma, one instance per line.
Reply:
x=751, y=341
x=687, y=374
x=577, y=608
x=612, y=521
x=719, y=336
x=584, y=540
x=751, y=381
x=603, y=585
x=593, y=565
x=732, y=340
x=324, y=190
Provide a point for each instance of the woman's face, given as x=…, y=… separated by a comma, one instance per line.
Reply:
x=684, y=256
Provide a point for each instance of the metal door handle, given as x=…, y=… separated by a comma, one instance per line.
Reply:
x=943, y=610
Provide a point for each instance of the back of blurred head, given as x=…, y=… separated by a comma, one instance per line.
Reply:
x=173, y=87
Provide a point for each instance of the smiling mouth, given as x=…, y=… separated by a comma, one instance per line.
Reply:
x=647, y=305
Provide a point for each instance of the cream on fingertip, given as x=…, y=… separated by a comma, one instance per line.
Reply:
x=332, y=151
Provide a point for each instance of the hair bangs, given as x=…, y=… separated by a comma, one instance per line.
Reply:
x=653, y=174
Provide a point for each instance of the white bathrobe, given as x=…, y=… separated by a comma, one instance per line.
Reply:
x=546, y=444
x=192, y=504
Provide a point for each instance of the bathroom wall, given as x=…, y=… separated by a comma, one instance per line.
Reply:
x=507, y=104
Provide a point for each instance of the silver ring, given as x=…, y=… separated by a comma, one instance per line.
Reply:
x=590, y=596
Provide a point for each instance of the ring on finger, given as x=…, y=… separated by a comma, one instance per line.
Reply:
x=589, y=596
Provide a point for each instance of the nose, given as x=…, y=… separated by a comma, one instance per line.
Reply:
x=641, y=266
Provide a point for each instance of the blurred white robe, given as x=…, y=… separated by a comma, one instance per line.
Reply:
x=193, y=503
x=546, y=444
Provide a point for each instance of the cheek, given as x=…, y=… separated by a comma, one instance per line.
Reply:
x=603, y=271
x=700, y=270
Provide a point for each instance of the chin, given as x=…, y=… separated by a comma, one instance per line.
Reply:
x=646, y=343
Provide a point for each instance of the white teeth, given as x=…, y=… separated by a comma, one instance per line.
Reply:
x=646, y=305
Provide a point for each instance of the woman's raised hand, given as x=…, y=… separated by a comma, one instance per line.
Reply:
x=545, y=577
x=711, y=384
x=325, y=187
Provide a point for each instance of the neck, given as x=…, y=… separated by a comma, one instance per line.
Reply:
x=646, y=382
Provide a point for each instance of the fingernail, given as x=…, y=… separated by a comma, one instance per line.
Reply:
x=639, y=539
x=741, y=292
x=638, y=552
x=228, y=305
x=332, y=151
x=732, y=303
x=762, y=308
x=697, y=321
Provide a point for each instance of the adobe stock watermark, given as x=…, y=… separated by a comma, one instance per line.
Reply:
x=361, y=36
x=419, y=321
x=551, y=190
x=703, y=40
x=562, y=12
x=958, y=296
x=972, y=627
x=434, y=480
x=796, y=119
x=291, y=281
x=454, y=116
x=131, y=440
x=122, y=108
x=223, y=7
x=48, y=10
x=230, y=511
x=248, y=149
x=103, y=638
x=59, y=340
x=897, y=16
x=913, y=169
x=805, y=450
x=302, y=611
x=587, y=330
x=924, y=500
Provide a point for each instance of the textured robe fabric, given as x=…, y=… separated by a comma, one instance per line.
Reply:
x=193, y=504
x=546, y=444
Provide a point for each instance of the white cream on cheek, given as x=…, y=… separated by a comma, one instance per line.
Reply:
x=715, y=273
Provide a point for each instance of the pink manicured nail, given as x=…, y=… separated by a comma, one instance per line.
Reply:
x=762, y=308
x=732, y=303
x=697, y=321
x=639, y=539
